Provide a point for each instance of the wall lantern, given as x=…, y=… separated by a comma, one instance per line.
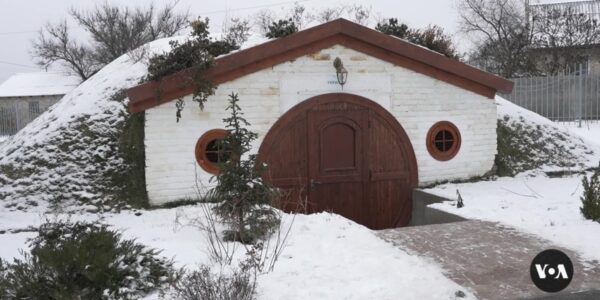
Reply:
x=340, y=71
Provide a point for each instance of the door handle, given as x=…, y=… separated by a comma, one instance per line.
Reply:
x=314, y=183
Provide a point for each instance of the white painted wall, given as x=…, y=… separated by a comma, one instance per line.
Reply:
x=416, y=100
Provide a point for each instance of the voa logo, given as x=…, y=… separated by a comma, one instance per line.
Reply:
x=544, y=270
x=551, y=270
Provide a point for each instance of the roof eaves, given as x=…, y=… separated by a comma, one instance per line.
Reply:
x=318, y=37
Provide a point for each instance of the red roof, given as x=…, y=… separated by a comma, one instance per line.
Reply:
x=337, y=32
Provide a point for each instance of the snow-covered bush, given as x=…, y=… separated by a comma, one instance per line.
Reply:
x=205, y=285
x=523, y=146
x=90, y=162
x=84, y=261
x=590, y=199
x=4, y=284
x=528, y=141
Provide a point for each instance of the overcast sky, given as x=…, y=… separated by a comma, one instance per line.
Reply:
x=21, y=19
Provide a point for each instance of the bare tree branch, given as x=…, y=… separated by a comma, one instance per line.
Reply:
x=54, y=44
x=515, y=39
x=502, y=32
x=264, y=18
x=114, y=30
x=329, y=13
x=360, y=14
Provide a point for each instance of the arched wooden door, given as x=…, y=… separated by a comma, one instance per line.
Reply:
x=345, y=154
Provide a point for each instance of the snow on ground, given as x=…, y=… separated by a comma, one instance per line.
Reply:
x=326, y=256
x=547, y=207
x=589, y=131
x=3, y=138
x=330, y=257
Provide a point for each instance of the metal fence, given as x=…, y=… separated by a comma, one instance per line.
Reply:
x=9, y=120
x=562, y=98
x=15, y=115
x=34, y=110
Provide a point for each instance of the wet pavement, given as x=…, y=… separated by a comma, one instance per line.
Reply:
x=492, y=260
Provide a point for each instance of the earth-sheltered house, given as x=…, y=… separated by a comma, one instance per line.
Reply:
x=404, y=117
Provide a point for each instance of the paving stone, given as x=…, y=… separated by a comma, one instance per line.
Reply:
x=490, y=259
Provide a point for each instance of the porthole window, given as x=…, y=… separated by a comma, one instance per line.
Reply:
x=209, y=152
x=443, y=140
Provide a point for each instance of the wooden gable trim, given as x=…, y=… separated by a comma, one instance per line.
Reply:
x=419, y=67
x=342, y=32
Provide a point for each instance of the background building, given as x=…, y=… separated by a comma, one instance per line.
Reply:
x=24, y=96
x=590, y=52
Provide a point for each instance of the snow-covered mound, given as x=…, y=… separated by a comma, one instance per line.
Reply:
x=528, y=141
x=74, y=152
x=71, y=152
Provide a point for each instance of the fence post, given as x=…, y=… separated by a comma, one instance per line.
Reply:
x=16, y=110
x=580, y=94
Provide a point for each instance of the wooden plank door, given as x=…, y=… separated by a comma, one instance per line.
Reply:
x=337, y=164
x=389, y=188
x=344, y=154
x=287, y=165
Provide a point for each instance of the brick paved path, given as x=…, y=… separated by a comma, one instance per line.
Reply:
x=489, y=259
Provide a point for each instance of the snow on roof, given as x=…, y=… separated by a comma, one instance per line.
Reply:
x=38, y=84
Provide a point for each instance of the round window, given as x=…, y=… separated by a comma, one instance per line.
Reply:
x=443, y=140
x=210, y=152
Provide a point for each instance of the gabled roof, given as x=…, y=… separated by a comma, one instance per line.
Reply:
x=340, y=31
x=38, y=84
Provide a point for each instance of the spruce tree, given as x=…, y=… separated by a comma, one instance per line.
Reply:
x=242, y=194
x=591, y=197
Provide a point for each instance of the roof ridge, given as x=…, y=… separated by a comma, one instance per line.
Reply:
x=339, y=31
